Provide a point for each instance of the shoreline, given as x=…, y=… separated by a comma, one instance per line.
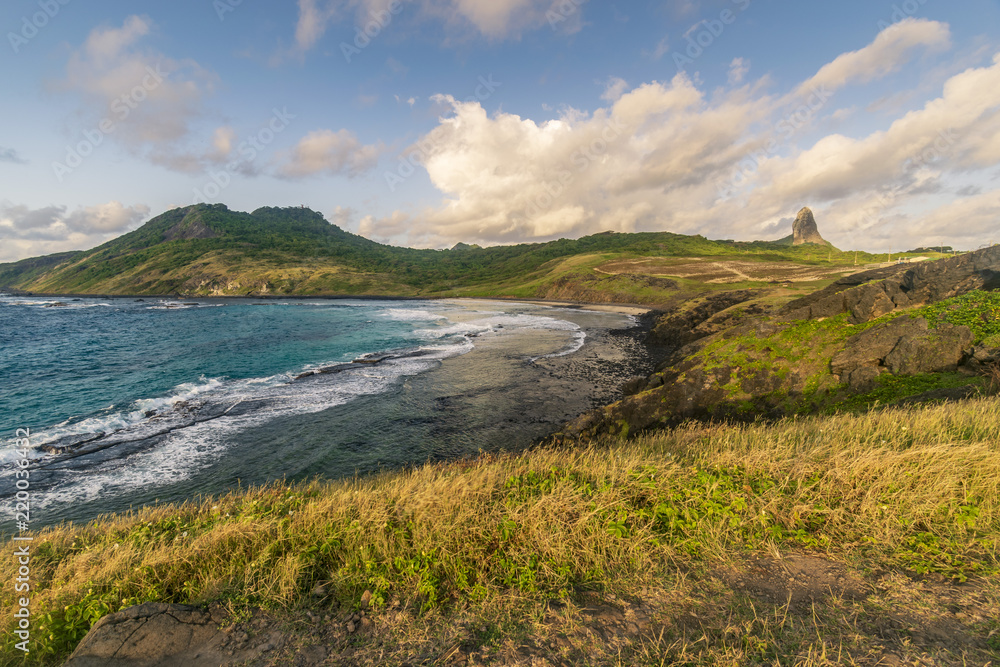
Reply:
x=623, y=308
x=550, y=388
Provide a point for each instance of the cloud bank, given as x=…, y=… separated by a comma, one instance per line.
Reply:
x=28, y=232
x=724, y=163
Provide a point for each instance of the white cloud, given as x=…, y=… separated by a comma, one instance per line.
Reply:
x=662, y=48
x=613, y=89
x=112, y=217
x=737, y=70
x=27, y=232
x=150, y=100
x=326, y=151
x=892, y=48
x=493, y=19
x=655, y=158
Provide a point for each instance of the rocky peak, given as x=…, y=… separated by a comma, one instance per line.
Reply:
x=804, y=230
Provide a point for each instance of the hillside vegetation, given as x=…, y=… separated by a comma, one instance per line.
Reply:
x=849, y=539
x=208, y=250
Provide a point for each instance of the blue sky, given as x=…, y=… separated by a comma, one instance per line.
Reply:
x=501, y=121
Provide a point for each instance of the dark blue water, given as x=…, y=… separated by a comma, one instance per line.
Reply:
x=130, y=402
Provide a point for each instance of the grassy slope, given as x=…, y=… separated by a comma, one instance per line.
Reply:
x=209, y=250
x=806, y=348
x=674, y=525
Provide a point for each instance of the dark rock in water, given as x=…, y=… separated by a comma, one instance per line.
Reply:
x=371, y=359
x=57, y=304
x=804, y=229
x=153, y=634
x=149, y=413
x=139, y=301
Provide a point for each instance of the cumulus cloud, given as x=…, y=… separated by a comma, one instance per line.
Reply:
x=27, y=232
x=146, y=101
x=326, y=151
x=892, y=48
x=725, y=163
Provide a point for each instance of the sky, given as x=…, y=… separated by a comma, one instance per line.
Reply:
x=429, y=122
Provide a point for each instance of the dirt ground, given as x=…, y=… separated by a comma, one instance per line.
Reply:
x=709, y=270
x=796, y=609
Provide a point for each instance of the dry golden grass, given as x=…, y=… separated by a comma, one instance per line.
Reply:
x=499, y=537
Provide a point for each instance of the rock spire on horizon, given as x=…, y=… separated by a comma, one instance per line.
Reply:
x=804, y=230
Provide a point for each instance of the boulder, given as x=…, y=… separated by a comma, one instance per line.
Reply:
x=869, y=302
x=863, y=379
x=871, y=347
x=152, y=634
x=937, y=351
x=634, y=385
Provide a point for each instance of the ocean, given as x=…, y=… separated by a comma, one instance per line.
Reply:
x=136, y=401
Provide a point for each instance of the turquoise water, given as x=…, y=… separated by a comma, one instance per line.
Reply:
x=130, y=401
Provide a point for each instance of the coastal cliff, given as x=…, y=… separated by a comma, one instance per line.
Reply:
x=902, y=333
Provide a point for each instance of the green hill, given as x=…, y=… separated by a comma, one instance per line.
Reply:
x=209, y=250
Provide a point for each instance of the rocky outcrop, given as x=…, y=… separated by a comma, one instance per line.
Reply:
x=730, y=374
x=701, y=317
x=904, y=346
x=804, y=229
x=689, y=325
x=152, y=634
x=173, y=635
x=871, y=294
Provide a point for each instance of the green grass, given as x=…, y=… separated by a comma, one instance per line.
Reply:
x=979, y=310
x=917, y=490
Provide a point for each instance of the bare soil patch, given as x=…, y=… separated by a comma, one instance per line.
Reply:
x=709, y=270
